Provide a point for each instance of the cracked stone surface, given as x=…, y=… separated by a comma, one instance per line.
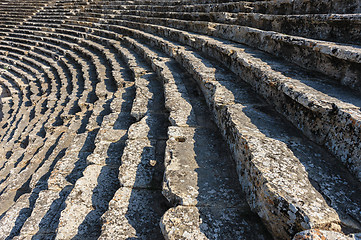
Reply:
x=189, y=119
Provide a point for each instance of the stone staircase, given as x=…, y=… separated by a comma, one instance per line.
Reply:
x=155, y=119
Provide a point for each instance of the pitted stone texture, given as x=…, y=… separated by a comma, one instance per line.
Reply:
x=277, y=181
x=143, y=96
x=182, y=223
x=117, y=121
x=216, y=184
x=318, y=26
x=177, y=101
x=45, y=203
x=198, y=171
x=8, y=220
x=322, y=205
x=316, y=234
x=151, y=126
x=320, y=166
x=107, y=153
x=179, y=107
x=133, y=213
x=335, y=60
x=301, y=104
x=187, y=222
x=330, y=183
x=339, y=143
x=196, y=67
x=140, y=164
x=87, y=199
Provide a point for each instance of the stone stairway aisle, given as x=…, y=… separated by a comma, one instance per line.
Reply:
x=137, y=206
x=338, y=64
x=297, y=146
x=152, y=119
x=199, y=179
x=312, y=83
x=13, y=13
x=325, y=20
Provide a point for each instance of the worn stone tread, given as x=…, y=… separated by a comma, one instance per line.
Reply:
x=341, y=28
x=189, y=222
x=310, y=82
x=181, y=119
x=351, y=192
x=304, y=51
x=274, y=7
x=293, y=90
x=183, y=179
x=140, y=172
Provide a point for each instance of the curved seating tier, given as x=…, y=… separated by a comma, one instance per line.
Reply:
x=152, y=119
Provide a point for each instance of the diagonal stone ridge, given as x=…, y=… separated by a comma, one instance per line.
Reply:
x=180, y=119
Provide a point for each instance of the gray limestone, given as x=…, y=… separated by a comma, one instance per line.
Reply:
x=308, y=102
x=156, y=119
x=191, y=223
x=129, y=215
x=316, y=234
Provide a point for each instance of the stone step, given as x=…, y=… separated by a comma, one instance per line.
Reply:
x=12, y=86
x=108, y=58
x=285, y=7
x=12, y=56
x=164, y=2
x=337, y=61
x=59, y=86
x=75, y=164
x=137, y=206
x=19, y=185
x=4, y=19
x=98, y=74
x=29, y=82
x=344, y=28
x=17, y=97
x=9, y=218
x=200, y=180
x=37, y=193
x=44, y=169
x=101, y=75
x=49, y=62
x=47, y=73
x=115, y=68
x=84, y=72
x=91, y=36
x=339, y=95
x=13, y=102
x=291, y=141
x=26, y=92
x=181, y=184
x=312, y=93
x=46, y=211
x=176, y=100
x=126, y=171
x=319, y=234
x=134, y=213
x=15, y=184
x=35, y=82
x=13, y=9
